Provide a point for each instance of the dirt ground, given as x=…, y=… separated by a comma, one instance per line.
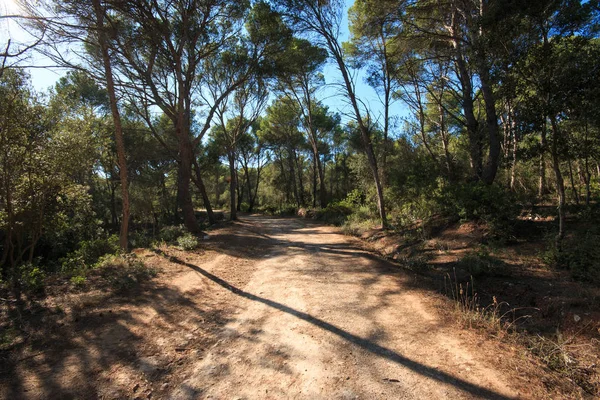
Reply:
x=267, y=308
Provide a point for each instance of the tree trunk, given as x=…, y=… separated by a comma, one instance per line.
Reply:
x=491, y=167
x=323, y=192
x=473, y=134
x=314, y=182
x=444, y=135
x=364, y=134
x=513, y=167
x=560, y=186
x=205, y=199
x=300, y=179
x=120, y=143
x=217, y=187
x=232, y=188
x=542, y=165
x=572, y=179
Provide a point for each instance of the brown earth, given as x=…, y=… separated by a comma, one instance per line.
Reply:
x=269, y=308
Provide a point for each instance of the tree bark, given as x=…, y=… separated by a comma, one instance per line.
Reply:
x=200, y=185
x=232, y=188
x=560, y=186
x=120, y=143
x=542, y=164
x=572, y=179
x=491, y=167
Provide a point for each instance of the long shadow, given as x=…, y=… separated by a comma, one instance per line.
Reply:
x=361, y=342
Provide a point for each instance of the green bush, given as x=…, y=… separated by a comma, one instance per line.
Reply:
x=491, y=204
x=32, y=277
x=171, y=233
x=140, y=239
x=78, y=280
x=580, y=255
x=88, y=253
x=188, y=242
x=334, y=213
x=244, y=207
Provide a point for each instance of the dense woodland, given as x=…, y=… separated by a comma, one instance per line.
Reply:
x=175, y=111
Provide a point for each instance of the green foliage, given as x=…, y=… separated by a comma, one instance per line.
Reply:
x=170, y=234
x=140, y=240
x=89, y=253
x=479, y=202
x=32, y=277
x=78, y=280
x=334, y=213
x=580, y=254
x=188, y=242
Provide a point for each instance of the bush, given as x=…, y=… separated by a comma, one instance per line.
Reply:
x=88, y=253
x=140, y=239
x=244, y=207
x=479, y=202
x=188, y=242
x=289, y=210
x=580, y=255
x=170, y=234
x=32, y=278
x=334, y=213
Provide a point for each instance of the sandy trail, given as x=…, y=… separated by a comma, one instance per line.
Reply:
x=320, y=318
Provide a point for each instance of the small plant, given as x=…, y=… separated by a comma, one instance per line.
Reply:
x=32, y=278
x=188, y=242
x=78, y=280
x=557, y=355
x=472, y=315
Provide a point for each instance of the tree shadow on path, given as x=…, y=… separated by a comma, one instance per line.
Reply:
x=369, y=346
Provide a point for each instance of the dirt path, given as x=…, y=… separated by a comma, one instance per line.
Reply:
x=269, y=308
x=324, y=319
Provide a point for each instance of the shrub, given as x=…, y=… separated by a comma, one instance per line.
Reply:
x=188, y=242
x=479, y=202
x=244, y=207
x=580, y=255
x=77, y=280
x=288, y=210
x=140, y=239
x=334, y=213
x=88, y=253
x=171, y=233
x=32, y=277
x=125, y=271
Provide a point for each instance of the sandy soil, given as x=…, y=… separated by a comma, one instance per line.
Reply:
x=269, y=308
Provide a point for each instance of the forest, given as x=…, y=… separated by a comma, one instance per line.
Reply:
x=174, y=117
